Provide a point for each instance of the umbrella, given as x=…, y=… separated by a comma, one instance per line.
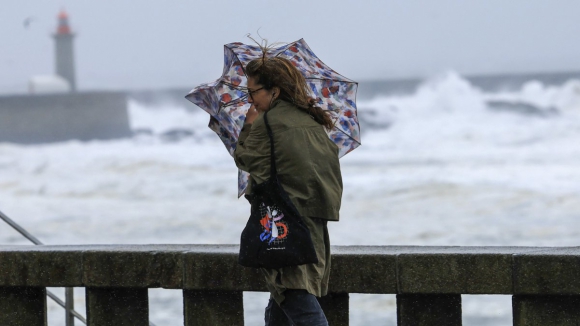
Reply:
x=226, y=98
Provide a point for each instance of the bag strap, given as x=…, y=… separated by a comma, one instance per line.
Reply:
x=273, y=171
x=274, y=174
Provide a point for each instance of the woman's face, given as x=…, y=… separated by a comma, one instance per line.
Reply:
x=258, y=95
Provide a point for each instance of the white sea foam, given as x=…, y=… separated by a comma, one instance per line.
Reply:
x=443, y=166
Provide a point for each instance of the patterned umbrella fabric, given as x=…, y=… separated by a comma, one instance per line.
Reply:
x=226, y=98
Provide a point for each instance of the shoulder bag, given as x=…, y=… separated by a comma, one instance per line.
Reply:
x=275, y=235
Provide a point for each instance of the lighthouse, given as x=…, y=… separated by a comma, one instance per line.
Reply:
x=55, y=111
x=64, y=52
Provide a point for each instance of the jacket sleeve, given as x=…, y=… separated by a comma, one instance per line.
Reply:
x=252, y=152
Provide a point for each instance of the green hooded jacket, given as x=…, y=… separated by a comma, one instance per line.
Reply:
x=306, y=159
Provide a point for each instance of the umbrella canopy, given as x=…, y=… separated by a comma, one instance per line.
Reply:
x=226, y=98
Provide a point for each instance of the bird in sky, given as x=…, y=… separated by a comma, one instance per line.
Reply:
x=27, y=21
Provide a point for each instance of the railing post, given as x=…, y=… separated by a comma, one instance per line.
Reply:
x=23, y=306
x=547, y=287
x=540, y=310
x=213, y=308
x=117, y=306
x=428, y=309
x=69, y=306
x=336, y=308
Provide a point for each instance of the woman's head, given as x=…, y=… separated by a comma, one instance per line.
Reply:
x=278, y=77
x=275, y=77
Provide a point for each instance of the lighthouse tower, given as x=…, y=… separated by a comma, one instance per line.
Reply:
x=64, y=54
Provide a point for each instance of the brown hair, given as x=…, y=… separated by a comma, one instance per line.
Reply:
x=280, y=72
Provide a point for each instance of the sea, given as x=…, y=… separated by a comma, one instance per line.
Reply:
x=445, y=160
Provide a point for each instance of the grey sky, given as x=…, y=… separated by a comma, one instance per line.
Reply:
x=146, y=44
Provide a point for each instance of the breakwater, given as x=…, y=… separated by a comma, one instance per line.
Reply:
x=31, y=119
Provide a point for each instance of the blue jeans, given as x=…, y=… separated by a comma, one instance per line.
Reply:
x=299, y=308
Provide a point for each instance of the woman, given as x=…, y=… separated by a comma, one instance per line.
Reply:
x=308, y=170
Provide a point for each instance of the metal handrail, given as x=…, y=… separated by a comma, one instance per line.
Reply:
x=63, y=304
x=20, y=229
x=68, y=304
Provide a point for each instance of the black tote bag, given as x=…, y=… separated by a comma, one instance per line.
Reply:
x=275, y=235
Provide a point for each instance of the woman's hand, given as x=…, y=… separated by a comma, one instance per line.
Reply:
x=251, y=115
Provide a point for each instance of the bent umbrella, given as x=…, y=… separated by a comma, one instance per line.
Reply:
x=226, y=98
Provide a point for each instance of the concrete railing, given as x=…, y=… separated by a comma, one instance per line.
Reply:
x=428, y=281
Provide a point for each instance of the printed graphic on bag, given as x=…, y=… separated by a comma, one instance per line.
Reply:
x=272, y=216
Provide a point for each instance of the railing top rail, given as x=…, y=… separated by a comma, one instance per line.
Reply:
x=336, y=250
x=356, y=269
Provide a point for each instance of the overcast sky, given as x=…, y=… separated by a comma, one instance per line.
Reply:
x=136, y=44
